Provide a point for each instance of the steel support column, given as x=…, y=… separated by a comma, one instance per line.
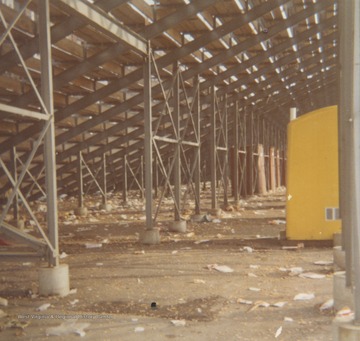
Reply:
x=226, y=152
x=198, y=148
x=213, y=149
x=236, y=154
x=104, y=182
x=49, y=138
x=125, y=178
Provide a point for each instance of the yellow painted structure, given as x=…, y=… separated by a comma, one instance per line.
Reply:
x=312, y=176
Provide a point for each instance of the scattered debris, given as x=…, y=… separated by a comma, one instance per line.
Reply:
x=199, y=281
x=99, y=264
x=178, y=323
x=278, y=332
x=2, y=314
x=174, y=252
x=345, y=315
x=248, y=249
x=4, y=302
x=73, y=291
x=68, y=327
x=259, y=304
x=250, y=274
x=139, y=329
x=27, y=264
x=74, y=302
x=312, y=275
x=93, y=245
x=288, y=319
x=324, y=262
x=254, y=289
x=242, y=301
x=63, y=255
x=304, y=297
x=142, y=252
x=202, y=241
x=216, y=221
x=220, y=268
x=297, y=247
x=329, y=304
x=277, y=222
x=43, y=307
x=279, y=304
x=254, y=266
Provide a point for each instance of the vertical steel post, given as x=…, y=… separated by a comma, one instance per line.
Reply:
x=80, y=181
x=213, y=148
x=148, y=142
x=355, y=36
x=198, y=148
x=226, y=152
x=142, y=176
x=156, y=177
x=14, y=171
x=346, y=24
x=104, y=182
x=125, y=178
x=177, y=161
x=236, y=154
x=49, y=139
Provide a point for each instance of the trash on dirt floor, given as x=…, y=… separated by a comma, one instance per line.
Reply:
x=220, y=268
x=73, y=291
x=63, y=255
x=278, y=332
x=99, y=264
x=295, y=271
x=312, y=275
x=324, y=262
x=304, y=297
x=174, y=252
x=74, y=301
x=288, y=319
x=279, y=304
x=139, y=329
x=199, y=281
x=27, y=264
x=93, y=245
x=254, y=266
x=178, y=323
x=242, y=301
x=254, y=289
x=4, y=302
x=259, y=304
x=329, y=304
x=43, y=307
x=277, y=222
x=247, y=249
x=142, y=252
x=68, y=327
x=344, y=315
x=202, y=241
x=297, y=247
x=216, y=221
x=250, y=274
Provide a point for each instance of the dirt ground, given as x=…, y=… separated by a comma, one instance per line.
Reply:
x=123, y=290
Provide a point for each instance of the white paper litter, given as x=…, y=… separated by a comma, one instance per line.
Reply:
x=68, y=327
x=278, y=332
x=250, y=274
x=304, y=297
x=345, y=315
x=74, y=301
x=99, y=264
x=27, y=264
x=242, y=301
x=296, y=271
x=220, y=268
x=178, y=323
x=202, y=241
x=329, y=304
x=4, y=302
x=43, y=307
x=93, y=245
x=324, y=262
x=254, y=266
x=139, y=329
x=63, y=255
x=73, y=291
x=279, y=304
x=312, y=275
x=262, y=304
x=199, y=281
x=254, y=289
x=174, y=252
x=288, y=319
x=248, y=249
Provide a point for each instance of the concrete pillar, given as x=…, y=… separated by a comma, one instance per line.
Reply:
x=54, y=281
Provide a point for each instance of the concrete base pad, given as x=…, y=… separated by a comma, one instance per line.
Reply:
x=105, y=207
x=54, y=281
x=197, y=218
x=215, y=212
x=150, y=237
x=343, y=296
x=178, y=226
x=337, y=239
x=345, y=331
x=81, y=211
x=339, y=257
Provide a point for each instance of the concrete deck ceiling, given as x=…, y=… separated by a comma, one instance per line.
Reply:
x=267, y=55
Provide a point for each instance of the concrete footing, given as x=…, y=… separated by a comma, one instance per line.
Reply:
x=337, y=239
x=343, y=295
x=105, y=207
x=339, y=257
x=178, y=226
x=81, y=211
x=197, y=218
x=54, y=281
x=150, y=237
x=345, y=331
x=216, y=212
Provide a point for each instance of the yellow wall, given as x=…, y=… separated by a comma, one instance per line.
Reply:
x=312, y=175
